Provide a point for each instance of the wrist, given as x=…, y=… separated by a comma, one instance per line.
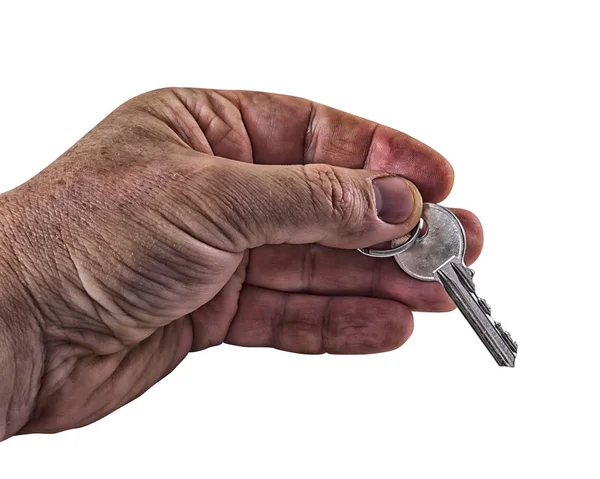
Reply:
x=21, y=346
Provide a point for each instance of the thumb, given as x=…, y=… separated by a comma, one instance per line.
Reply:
x=250, y=205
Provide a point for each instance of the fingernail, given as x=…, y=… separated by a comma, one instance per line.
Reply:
x=394, y=199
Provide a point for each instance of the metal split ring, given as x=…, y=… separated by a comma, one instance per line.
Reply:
x=386, y=253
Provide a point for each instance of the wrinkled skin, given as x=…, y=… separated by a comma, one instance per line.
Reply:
x=118, y=263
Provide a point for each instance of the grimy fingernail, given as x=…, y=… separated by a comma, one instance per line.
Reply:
x=394, y=199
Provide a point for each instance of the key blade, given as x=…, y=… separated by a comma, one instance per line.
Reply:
x=457, y=280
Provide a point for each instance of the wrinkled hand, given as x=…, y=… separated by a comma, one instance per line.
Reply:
x=172, y=227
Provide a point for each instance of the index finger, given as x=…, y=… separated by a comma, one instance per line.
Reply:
x=285, y=130
x=277, y=129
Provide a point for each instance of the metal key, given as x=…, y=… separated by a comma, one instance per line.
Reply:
x=438, y=255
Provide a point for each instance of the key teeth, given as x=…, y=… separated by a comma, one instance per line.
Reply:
x=512, y=344
x=465, y=275
x=485, y=306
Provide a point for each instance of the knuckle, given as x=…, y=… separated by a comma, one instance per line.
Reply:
x=335, y=192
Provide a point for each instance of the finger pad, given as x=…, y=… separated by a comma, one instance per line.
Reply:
x=399, y=153
x=474, y=232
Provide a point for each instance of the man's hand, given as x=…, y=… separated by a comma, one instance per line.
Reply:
x=189, y=218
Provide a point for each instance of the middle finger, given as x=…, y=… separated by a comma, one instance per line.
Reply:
x=317, y=269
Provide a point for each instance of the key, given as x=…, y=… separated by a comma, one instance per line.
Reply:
x=438, y=255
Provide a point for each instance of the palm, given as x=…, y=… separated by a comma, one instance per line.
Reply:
x=301, y=298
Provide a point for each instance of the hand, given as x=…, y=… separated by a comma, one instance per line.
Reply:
x=173, y=226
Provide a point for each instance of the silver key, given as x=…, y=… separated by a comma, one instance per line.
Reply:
x=438, y=255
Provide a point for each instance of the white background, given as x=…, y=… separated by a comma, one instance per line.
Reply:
x=507, y=91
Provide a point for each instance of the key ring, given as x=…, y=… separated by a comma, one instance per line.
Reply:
x=386, y=253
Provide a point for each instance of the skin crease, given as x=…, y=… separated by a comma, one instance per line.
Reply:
x=164, y=231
